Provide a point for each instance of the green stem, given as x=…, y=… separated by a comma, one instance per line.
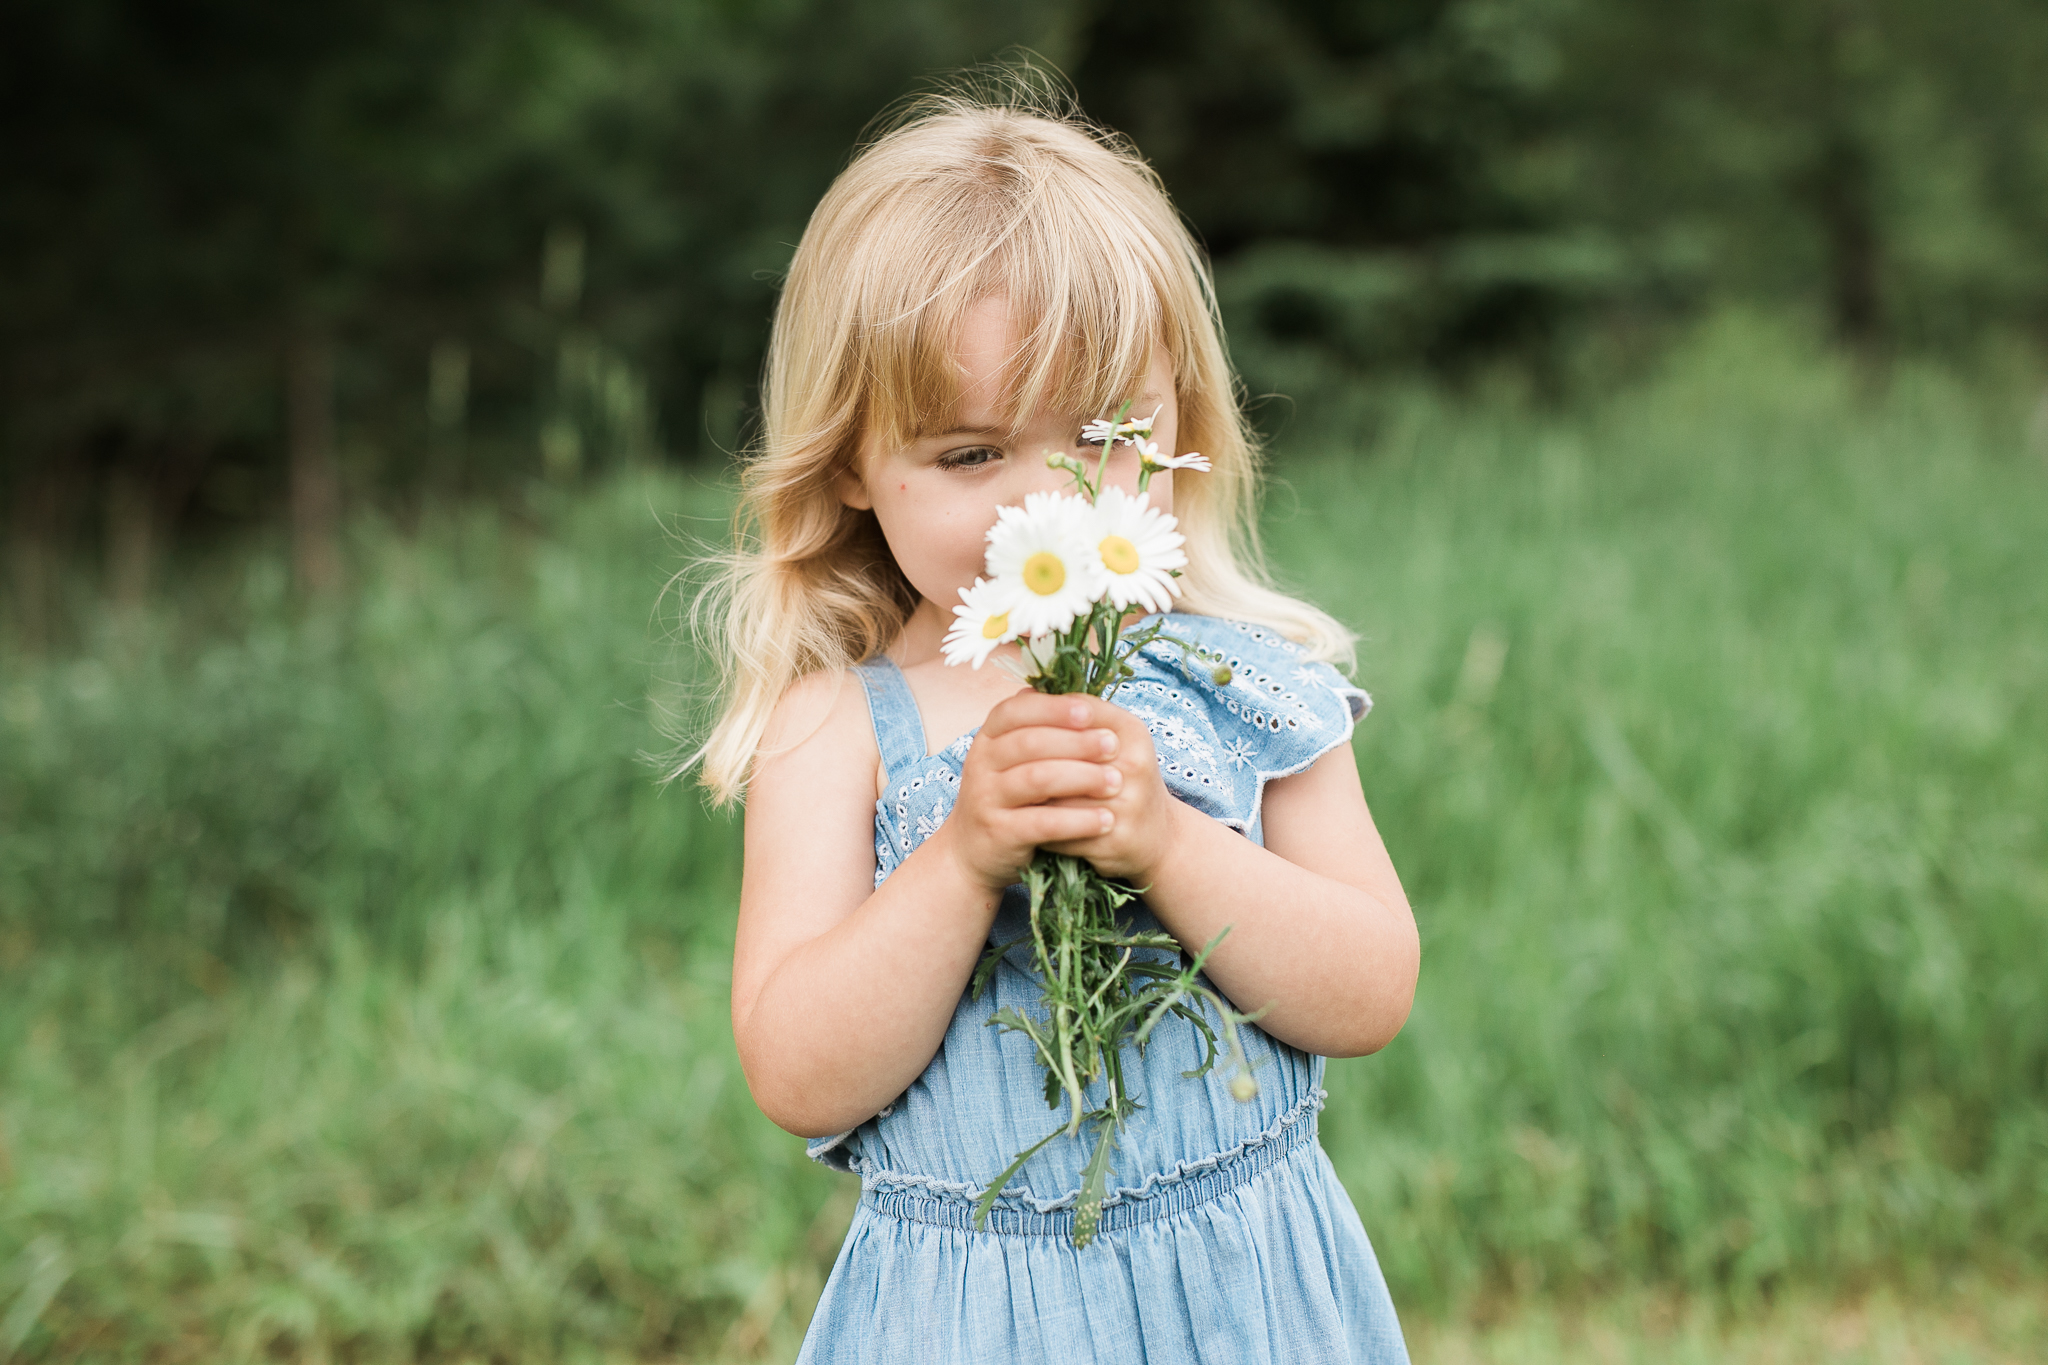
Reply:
x=1102, y=461
x=1097, y=995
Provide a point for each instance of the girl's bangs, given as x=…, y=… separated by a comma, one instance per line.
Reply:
x=1086, y=309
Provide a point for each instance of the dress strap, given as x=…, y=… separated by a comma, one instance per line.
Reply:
x=899, y=727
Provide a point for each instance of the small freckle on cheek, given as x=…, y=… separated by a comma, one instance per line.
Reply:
x=902, y=488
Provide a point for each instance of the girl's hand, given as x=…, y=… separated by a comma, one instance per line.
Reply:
x=1143, y=812
x=1043, y=771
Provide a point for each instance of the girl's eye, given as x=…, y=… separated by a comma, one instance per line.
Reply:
x=973, y=457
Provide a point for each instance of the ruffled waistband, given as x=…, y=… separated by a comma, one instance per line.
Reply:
x=1162, y=1196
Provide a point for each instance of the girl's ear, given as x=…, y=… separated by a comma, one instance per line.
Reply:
x=852, y=489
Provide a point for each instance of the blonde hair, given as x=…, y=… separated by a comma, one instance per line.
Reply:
x=969, y=195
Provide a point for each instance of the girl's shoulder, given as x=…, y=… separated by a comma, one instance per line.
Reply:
x=818, y=725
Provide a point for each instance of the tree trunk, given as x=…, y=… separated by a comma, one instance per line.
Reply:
x=34, y=535
x=315, y=479
x=130, y=539
x=1855, y=289
x=1844, y=176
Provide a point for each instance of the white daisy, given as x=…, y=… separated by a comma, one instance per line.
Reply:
x=1103, y=429
x=1099, y=431
x=1138, y=549
x=980, y=623
x=1150, y=458
x=1043, y=554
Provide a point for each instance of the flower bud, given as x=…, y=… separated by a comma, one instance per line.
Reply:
x=1243, y=1088
x=1222, y=676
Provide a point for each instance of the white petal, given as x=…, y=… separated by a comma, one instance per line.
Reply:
x=1039, y=652
x=968, y=641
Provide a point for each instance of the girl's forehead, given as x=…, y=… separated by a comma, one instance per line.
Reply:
x=986, y=348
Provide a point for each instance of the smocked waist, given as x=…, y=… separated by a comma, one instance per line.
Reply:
x=947, y=1205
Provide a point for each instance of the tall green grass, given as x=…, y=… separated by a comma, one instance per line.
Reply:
x=362, y=997
x=1713, y=747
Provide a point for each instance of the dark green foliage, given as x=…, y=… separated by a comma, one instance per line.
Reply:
x=1455, y=186
x=1542, y=187
x=546, y=196
x=1355, y=171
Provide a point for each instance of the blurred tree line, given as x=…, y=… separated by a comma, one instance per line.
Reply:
x=257, y=260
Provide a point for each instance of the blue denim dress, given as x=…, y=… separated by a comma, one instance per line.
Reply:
x=1226, y=1236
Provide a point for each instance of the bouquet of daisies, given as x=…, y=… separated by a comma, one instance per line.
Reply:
x=1064, y=571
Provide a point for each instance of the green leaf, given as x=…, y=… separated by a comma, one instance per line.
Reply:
x=1208, y=1041
x=1094, y=1183
x=988, y=1196
x=985, y=972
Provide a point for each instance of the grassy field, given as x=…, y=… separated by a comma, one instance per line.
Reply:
x=1969, y=1321
x=362, y=997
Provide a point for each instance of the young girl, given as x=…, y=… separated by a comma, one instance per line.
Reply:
x=973, y=289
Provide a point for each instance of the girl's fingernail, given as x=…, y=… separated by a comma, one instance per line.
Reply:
x=1113, y=781
x=1108, y=743
x=1108, y=821
x=1077, y=714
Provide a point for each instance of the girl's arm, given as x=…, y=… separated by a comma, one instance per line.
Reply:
x=841, y=991
x=1320, y=931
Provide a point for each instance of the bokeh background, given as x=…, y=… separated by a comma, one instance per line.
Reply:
x=1657, y=386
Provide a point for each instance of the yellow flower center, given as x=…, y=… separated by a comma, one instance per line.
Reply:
x=995, y=626
x=1044, y=574
x=1119, y=555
